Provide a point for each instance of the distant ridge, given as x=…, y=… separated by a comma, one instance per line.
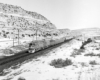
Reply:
x=86, y=32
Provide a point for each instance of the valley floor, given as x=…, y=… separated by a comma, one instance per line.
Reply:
x=85, y=65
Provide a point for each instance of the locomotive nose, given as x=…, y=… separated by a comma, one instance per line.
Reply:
x=31, y=50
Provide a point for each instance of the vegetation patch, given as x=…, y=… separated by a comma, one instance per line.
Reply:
x=85, y=43
x=98, y=55
x=93, y=62
x=21, y=78
x=83, y=64
x=2, y=73
x=59, y=63
x=92, y=54
x=76, y=52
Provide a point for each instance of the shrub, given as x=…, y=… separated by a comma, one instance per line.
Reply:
x=85, y=43
x=59, y=63
x=29, y=35
x=97, y=48
x=21, y=78
x=93, y=62
x=4, y=35
x=76, y=52
x=98, y=55
x=90, y=54
x=23, y=35
x=67, y=62
x=7, y=32
x=83, y=64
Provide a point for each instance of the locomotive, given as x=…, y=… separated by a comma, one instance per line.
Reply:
x=39, y=45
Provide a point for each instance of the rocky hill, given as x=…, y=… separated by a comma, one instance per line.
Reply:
x=14, y=18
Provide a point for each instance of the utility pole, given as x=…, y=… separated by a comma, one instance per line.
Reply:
x=51, y=36
x=36, y=30
x=13, y=37
x=18, y=36
x=36, y=33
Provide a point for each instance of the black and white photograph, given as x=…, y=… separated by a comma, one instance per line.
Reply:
x=49, y=39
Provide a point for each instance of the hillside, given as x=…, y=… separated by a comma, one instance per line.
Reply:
x=14, y=18
x=19, y=27
x=11, y=9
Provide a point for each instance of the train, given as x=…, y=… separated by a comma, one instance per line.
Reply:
x=31, y=47
x=35, y=46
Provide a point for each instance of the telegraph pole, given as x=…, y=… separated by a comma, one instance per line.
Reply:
x=18, y=36
x=13, y=37
x=36, y=33
x=36, y=30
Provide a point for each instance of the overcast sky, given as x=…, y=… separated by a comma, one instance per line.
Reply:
x=72, y=14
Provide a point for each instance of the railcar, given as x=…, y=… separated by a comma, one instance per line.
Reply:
x=39, y=45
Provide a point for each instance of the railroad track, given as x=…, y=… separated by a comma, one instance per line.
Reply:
x=24, y=55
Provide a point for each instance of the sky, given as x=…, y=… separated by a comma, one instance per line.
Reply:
x=71, y=14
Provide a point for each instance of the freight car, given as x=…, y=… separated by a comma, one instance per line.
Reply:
x=39, y=45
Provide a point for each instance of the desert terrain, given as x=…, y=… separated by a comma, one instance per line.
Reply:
x=77, y=59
